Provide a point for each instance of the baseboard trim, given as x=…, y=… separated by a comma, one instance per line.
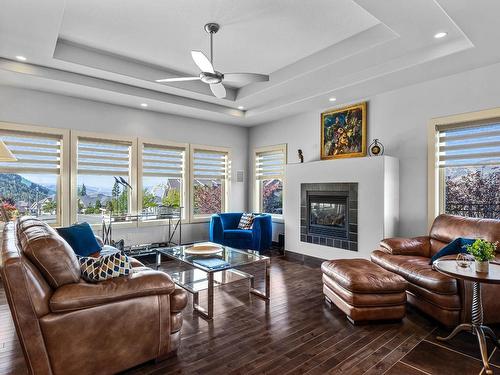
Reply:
x=306, y=260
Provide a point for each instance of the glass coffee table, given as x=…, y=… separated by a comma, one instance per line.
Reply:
x=198, y=277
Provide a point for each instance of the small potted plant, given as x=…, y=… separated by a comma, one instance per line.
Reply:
x=482, y=251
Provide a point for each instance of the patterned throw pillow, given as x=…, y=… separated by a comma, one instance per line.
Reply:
x=246, y=221
x=105, y=267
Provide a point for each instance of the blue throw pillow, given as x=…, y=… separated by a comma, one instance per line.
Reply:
x=454, y=247
x=81, y=238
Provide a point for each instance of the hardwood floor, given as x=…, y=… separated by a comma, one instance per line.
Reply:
x=296, y=333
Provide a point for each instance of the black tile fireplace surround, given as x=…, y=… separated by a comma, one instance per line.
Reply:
x=329, y=214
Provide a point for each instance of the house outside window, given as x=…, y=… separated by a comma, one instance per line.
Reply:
x=467, y=168
x=210, y=173
x=163, y=187
x=269, y=174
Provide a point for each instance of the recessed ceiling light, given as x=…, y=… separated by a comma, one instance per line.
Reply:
x=440, y=35
x=332, y=99
x=241, y=107
x=144, y=105
x=21, y=58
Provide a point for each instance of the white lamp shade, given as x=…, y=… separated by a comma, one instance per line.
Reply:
x=5, y=154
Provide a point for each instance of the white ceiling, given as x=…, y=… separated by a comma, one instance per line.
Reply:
x=256, y=36
x=113, y=50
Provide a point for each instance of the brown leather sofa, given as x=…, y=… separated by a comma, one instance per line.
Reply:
x=68, y=326
x=446, y=299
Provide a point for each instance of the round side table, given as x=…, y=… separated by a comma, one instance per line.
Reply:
x=450, y=268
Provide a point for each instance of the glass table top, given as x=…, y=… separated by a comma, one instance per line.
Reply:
x=228, y=257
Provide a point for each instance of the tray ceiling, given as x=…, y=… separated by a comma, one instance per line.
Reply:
x=113, y=50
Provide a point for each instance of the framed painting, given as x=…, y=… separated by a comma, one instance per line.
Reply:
x=343, y=132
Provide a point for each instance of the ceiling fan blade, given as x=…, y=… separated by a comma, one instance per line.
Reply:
x=245, y=77
x=202, y=61
x=178, y=79
x=219, y=90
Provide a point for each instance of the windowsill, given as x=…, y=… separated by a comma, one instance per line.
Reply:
x=160, y=222
x=119, y=225
x=278, y=219
x=199, y=220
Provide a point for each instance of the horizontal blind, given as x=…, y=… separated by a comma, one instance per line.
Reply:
x=99, y=157
x=469, y=146
x=35, y=153
x=165, y=161
x=210, y=165
x=270, y=164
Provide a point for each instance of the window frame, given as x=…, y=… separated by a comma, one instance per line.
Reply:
x=75, y=135
x=185, y=198
x=256, y=188
x=226, y=186
x=435, y=175
x=63, y=198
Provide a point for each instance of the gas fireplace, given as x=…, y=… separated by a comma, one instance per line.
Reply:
x=329, y=214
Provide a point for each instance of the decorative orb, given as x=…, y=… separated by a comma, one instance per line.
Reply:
x=463, y=260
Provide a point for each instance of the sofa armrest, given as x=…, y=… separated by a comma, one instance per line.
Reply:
x=262, y=229
x=83, y=295
x=216, y=231
x=419, y=246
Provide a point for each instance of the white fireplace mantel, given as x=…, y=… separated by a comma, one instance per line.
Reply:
x=378, y=201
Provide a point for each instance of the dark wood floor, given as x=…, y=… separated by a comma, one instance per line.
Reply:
x=295, y=333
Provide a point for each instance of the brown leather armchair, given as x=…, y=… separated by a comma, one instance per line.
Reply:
x=68, y=326
x=446, y=299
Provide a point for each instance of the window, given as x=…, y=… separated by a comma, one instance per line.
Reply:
x=210, y=171
x=269, y=175
x=32, y=185
x=104, y=177
x=467, y=165
x=163, y=178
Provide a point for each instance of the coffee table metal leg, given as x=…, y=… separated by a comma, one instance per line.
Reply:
x=158, y=259
x=267, y=281
x=210, y=295
x=207, y=313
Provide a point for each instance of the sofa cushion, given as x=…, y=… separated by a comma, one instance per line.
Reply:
x=246, y=221
x=81, y=239
x=53, y=257
x=244, y=234
x=454, y=247
x=416, y=270
x=84, y=295
x=448, y=227
x=362, y=276
x=105, y=267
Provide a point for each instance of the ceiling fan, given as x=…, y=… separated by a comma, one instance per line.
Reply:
x=211, y=76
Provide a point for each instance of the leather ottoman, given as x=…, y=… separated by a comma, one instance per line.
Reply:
x=364, y=290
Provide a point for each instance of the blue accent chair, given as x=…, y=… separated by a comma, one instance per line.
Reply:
x=224, y=230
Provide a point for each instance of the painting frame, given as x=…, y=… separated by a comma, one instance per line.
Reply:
x=325, y=155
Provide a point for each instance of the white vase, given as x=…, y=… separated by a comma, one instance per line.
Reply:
x=482, y=267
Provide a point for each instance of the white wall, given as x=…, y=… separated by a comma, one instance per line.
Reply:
x=39, y=108
x=399, y=119
x=377, y=211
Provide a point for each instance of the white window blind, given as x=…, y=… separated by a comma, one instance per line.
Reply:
x=468, y=146
x=101, y=157
x=270, y=164
x=35, y=153
x=210, y=165
x=163, y=161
